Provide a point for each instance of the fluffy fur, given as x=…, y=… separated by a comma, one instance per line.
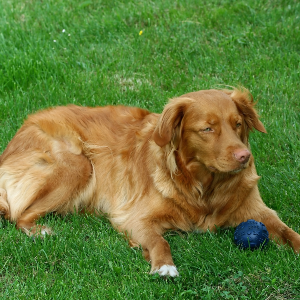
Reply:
x=189, y=168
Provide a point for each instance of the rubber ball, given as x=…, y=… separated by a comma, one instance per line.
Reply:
x=251, y=234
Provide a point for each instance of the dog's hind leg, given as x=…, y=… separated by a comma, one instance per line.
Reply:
x=38, y=183
x=50, y=202
x=4, y=208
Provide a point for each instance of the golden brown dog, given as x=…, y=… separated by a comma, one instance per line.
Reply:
x=189, y=168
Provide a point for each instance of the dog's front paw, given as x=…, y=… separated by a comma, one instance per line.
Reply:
x=166, y=270
x=38, y=231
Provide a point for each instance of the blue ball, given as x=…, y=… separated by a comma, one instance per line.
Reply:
x=251, y=234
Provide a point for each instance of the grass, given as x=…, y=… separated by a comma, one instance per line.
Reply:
x=92, y=53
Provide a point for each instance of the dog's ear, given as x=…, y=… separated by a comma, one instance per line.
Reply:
x=245, y=105
x=170, y=118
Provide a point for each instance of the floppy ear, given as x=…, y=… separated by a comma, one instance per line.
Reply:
x=245, y=105
x=169, y=120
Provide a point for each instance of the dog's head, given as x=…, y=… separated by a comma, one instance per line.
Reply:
x=210, y=128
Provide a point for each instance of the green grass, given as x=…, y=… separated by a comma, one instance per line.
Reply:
x=101, y=59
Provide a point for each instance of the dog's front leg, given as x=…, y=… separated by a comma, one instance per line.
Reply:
x=279, y=231
x=253, y=207
x=161, y=258
x=156, y=250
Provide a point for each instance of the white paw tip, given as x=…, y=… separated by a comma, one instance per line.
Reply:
x=44, y=232
x=167, y=270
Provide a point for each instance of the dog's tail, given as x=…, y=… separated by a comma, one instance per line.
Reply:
x=4, y=207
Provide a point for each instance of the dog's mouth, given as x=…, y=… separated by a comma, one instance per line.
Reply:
x=213, y=169
x=233, y=172
x=236, y=171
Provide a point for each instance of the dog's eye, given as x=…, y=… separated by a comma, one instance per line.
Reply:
x=207, y=129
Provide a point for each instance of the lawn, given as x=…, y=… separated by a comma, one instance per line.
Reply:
x=142, y=53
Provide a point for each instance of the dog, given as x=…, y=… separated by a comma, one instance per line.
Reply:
x=189, y=168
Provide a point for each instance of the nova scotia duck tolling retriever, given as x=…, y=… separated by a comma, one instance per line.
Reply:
x=188, y=168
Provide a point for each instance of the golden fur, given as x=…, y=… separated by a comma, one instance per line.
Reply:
x=189, y=168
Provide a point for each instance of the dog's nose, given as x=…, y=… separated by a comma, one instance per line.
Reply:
x=242, y=155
